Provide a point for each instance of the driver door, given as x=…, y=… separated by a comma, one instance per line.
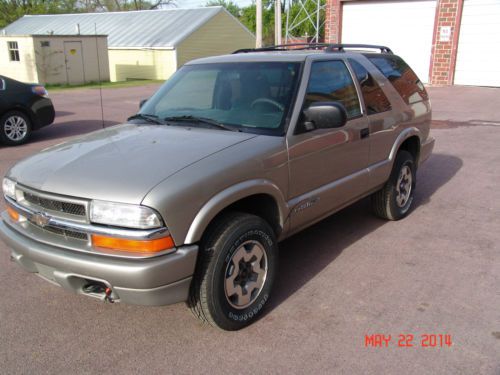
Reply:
x=328, y=167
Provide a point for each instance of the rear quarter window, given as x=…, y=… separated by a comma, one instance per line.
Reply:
x=401, y=76
x=375, y=99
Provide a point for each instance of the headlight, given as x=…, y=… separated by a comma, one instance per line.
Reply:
x=9, y=188
x=124, y=215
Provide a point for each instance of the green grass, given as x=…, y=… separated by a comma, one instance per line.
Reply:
x=104, y=85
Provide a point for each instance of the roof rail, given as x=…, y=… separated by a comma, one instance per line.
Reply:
x=341, y=47
x=284, y=47
x=327, y=47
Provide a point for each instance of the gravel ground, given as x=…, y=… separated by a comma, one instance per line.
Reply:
x=352, y=275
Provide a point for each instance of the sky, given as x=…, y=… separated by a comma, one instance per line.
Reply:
x=195, y=3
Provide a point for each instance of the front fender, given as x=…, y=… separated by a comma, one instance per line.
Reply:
x=230, y=195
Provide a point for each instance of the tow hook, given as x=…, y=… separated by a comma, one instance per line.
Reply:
x=107, y=296
x=99, y=289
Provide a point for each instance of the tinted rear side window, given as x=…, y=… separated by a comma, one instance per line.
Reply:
x=404, y=80
x=374, y=97
x=330, y=81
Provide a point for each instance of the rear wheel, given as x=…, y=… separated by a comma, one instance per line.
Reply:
x=235, y=272
x=15, y=128
x=394, y=200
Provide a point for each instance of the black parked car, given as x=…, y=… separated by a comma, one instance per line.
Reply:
x=24, y=107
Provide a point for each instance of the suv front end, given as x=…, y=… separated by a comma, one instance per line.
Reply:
x=112, y=251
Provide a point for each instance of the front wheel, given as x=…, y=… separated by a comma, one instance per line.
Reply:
x=236, y=268
x=394, y=200
x=15, y=128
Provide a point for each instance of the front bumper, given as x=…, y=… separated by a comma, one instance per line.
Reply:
x=160, y=280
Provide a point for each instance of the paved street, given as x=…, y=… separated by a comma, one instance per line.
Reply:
x=352, y=275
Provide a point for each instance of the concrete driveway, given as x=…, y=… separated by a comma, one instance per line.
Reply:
x=346, y=278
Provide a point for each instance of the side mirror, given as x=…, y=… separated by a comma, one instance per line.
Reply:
x=324, y=115
x=142, y=102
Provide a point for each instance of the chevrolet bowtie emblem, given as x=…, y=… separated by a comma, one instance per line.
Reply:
x=40, y=219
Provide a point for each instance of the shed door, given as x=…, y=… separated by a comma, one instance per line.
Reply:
x=74, y=62
x=478, y=55
x=404, y=26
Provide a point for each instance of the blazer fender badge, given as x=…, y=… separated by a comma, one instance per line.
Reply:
x=304, y=205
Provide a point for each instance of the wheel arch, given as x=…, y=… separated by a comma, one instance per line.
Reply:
x=409, y=140
x=25, y=111
x=259, y=197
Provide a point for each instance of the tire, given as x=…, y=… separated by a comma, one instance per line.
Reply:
x=15, y=128
x=394, y=201
x=228, y=260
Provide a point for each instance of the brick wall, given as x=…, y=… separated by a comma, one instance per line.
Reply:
x=333, y=19
x=444, y=53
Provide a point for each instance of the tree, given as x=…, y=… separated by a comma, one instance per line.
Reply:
x=248, y=19
x=11, y=10
x=297, y=15
x=230, y=6
x=123, y=5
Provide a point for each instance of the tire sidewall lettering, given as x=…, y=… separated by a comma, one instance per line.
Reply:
x=244, y=316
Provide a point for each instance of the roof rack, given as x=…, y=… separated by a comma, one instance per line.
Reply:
x=327, y=47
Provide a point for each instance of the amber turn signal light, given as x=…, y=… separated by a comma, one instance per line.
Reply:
x=144, y=247
x=13, y=214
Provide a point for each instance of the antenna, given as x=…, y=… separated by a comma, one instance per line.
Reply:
x=99, y=74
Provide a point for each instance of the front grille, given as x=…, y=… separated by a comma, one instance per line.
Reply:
x=55, y=205
x=64, y=232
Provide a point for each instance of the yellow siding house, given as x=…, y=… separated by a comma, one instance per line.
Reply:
x=150, y=44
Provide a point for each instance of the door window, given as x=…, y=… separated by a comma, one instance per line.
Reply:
x=330, y=81
x=374, y=97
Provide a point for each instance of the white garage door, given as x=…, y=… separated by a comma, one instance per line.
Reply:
x=478, y=56
x=404, y=26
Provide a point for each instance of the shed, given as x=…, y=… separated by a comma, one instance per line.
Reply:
x=150, y=44
x=55, y=59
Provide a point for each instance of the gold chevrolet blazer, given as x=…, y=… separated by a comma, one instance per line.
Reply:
x=188, y=199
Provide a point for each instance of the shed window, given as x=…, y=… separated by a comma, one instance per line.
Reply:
x=13, y=51
x=45, y=43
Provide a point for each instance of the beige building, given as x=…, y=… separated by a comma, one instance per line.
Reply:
x=148, y=44
x=55, y=59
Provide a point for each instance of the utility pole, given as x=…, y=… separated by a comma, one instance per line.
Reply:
x=277, y=22
x=258, y=26
x=318, y=9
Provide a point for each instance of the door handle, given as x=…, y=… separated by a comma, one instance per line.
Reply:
x=364, y=133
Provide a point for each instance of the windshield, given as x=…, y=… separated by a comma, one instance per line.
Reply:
x=245, y=96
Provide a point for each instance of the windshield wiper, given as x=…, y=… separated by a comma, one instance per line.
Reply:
x=201, y=120
x=153, y=119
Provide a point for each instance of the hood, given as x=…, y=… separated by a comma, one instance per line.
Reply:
x=121, y=163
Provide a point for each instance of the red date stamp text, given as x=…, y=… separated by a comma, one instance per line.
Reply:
x=408, y=340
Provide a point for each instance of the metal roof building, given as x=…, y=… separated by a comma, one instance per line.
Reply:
x=148, y=44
